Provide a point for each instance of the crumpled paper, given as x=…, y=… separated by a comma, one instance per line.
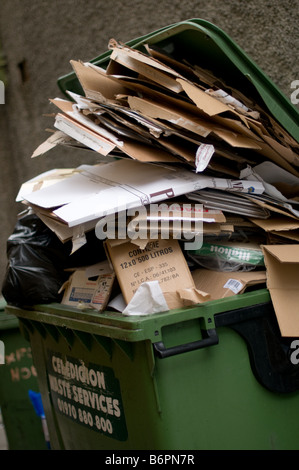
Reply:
x=148, y=299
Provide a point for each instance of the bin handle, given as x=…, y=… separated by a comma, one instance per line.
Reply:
x=211, y=339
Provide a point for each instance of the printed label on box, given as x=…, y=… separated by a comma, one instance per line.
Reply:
x=161, y=260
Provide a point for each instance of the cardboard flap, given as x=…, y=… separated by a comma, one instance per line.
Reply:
x=93, y=78
x=282, y=264
x=277, y=223
x=161, y=260
x=286, y=304
x=220, y=284
x=284, y=253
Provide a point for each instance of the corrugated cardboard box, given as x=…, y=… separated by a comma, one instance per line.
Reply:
x=161, y=260
x=89, y=287
x=225, y=284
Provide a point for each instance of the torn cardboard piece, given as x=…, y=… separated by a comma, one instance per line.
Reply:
x=277, y=223
x=83, y=134
x=270, y=204
x=56, y=138
x=226, y=284
x=162, y=261
x=289, y=234
x=159, y=75
x=43, y=181
x=89, y=287
x=205, y=101
x=61, y=229
x=282, y=266
x=95, y=82
x=186, y=297
x=172, y=115
x=230, y=101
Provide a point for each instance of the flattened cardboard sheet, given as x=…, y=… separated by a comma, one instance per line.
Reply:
x=226, y=284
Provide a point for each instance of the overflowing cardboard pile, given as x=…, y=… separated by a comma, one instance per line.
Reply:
x=169, y=132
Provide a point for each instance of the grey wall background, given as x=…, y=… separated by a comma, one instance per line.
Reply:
x=40, y=37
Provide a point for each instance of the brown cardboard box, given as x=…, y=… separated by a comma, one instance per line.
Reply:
x=89, y=287
x=225, y=284
x=161, y=260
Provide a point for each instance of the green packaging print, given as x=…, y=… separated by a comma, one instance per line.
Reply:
x=251, y=255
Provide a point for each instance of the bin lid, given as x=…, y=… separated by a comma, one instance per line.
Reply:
x=197, y=36
x=250, y=315
x=133, y=328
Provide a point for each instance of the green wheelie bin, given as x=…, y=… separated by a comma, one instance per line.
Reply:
x=23, y=427
x=217, y=376
x=214, y=376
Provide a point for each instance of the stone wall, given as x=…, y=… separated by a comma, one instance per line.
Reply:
x=39, y=37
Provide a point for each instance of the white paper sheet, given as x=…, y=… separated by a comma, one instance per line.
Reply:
x=147, y=300
x=98, y=190
x=117, y=303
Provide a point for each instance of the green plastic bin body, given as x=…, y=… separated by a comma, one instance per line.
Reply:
x=17, y=376
x=214, y=376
